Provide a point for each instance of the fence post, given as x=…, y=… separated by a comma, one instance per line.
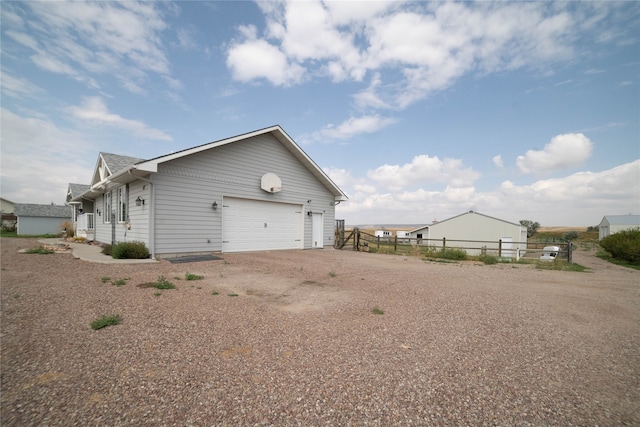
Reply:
x=395, y=243
x=444, y=243
x=570, y=253
x=378, y=241
x=499, y=248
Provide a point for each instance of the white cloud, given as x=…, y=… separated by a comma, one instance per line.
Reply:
x=424, y=170
x=409, y=50
x=255, y=59
x=349, y=128
x=95, y=111
x=580, y=199
x=497, y=161
x=39, y=159
x=17, y=87
x=563, y=152
x=81, y=39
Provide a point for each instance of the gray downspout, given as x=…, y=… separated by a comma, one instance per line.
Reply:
x=152, y=215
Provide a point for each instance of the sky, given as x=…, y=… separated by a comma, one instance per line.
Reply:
x=418, y=111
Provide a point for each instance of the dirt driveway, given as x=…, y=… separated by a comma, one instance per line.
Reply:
x=290, y=338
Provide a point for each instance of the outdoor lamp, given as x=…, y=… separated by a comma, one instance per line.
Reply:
x=214, y=205
x=139, y=201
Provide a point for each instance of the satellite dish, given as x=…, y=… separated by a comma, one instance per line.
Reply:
x=271, y=183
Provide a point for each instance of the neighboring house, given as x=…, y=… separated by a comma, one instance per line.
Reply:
x=41, y=219
x=83, y=216
x=613, y=223
x=382, y=233
x=474, y=230
x=252, y=192
x=9, y=219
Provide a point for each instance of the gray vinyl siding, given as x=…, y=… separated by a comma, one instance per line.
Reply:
x=185, y=189
x=138, y=216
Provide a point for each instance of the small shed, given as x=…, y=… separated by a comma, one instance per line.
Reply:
x=614, y=223
x=36, y=219
x=472, y=231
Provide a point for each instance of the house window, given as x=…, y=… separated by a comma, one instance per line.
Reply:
x=106, y=215
x=123, y=203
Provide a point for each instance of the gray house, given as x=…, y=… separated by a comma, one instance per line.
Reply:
x=251, y=192
x=613, y=223
x=474, y=230
x=40, y=219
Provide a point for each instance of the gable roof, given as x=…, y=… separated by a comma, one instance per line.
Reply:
x=76, y=190
x=475, y=213
x=49, y=211
x=109, y=164
x=622, y=219
x=111, y=167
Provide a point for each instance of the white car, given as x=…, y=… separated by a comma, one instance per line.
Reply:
x=549, y=253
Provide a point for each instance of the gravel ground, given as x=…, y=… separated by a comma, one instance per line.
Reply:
x=458, y=344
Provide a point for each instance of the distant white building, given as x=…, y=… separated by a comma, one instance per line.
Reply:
x=473, y=230
x=382, y=233
x=403, y=234
x=613, y=223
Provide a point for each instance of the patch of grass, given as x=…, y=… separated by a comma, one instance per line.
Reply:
x=190, y=276
x=215, y=293
x=160, y=283
x=332, y=273
x=16, y=295
x=157, y=294
x=105, y=321
x=377, y=310
x=119, y=282
x=232, y=295
x=39, y=250
x=602, y=254
x=105, y=279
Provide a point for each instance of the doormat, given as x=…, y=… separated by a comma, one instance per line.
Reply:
x=194, y=258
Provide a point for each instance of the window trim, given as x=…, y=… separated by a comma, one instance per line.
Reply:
x=123, y=203
x=107, y=205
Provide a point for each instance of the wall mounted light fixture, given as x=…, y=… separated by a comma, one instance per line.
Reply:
x=139, y=201
x=214, y=205
x=98, y=212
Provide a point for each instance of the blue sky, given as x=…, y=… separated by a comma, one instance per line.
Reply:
x=418, y=111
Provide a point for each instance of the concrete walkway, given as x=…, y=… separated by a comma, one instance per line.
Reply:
x=93, y=253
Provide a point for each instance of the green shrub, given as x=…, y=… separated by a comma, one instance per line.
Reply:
x=457, y=254
x=130, y=250
x=623, y=245
x=488, y=259
x=106, y=249
x=163, y=283
x=191, y=276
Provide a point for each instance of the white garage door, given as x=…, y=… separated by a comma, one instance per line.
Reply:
x=254, y=225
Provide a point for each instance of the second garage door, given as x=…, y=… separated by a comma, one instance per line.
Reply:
x=255, y=225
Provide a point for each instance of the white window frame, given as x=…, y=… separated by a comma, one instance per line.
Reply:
x=123, y=203
x=106, y=214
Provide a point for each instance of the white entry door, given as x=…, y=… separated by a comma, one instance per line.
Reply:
x=507, y=247
x=317, y=234
x=256, y=225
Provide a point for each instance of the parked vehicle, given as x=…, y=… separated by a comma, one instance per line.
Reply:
x=549, y=253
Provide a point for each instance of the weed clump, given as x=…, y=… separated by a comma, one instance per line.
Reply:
x=190, y=276
x=105, y=321
x=39, y=250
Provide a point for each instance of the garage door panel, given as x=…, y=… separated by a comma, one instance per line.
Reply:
x=254, y=225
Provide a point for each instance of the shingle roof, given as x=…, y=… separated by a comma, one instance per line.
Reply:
x=116, y=162
x=50, y=211
x=77, y=189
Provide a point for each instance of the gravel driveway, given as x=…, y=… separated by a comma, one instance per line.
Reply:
x=458, y=344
